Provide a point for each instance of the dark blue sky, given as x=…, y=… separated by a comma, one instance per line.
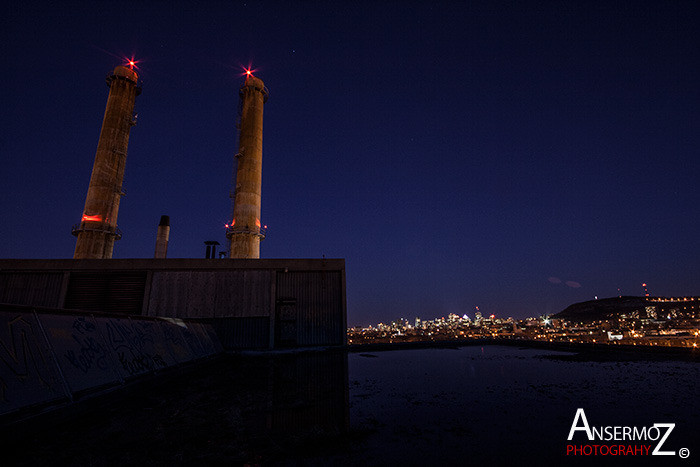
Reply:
x=457, y=155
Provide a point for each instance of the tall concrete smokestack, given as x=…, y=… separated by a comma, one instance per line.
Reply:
x=162, y=237
x=245, y=231
x=97, y=230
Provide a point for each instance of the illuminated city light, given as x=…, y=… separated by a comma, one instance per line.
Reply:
x=635, y=328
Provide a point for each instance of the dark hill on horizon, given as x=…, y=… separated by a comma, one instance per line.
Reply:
x=605, y=308
x=631, y=307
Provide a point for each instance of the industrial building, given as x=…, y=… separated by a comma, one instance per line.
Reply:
x=252, y=304
x=73, y=327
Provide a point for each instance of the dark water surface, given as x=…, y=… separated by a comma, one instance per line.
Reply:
x=467, y=406
x=503, y=404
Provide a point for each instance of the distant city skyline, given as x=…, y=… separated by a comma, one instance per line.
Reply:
x=518, y=157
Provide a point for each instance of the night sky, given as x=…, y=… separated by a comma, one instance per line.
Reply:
x=514, y=156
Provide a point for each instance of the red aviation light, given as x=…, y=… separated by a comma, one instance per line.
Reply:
x=132, y=63
x=257, y=223
x=95, y=218
x=233, y=222
x=248, y=71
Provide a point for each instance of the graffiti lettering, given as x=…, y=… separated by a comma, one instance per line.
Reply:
x=82, y=326
x=91, y=354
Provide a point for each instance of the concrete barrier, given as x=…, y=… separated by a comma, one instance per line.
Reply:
x=53, y=357
x=127, y=346
x=29, y=375
x=80, y=351
x=203, y=338
x=190, y=335
x=179, y=347
x=213, y=338
x=153, y=343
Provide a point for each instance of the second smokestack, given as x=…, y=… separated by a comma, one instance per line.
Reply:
x=162, y=237
x=246, y=232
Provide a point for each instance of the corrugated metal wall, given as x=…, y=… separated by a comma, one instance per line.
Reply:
x=301, y=307
x=31, y=288
x=114, y=292
x=211, y=294
x=309, y=308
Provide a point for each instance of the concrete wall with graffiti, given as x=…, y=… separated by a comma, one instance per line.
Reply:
x=50, y=358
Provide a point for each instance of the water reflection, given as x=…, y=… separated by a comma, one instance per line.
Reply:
x=504, y=405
